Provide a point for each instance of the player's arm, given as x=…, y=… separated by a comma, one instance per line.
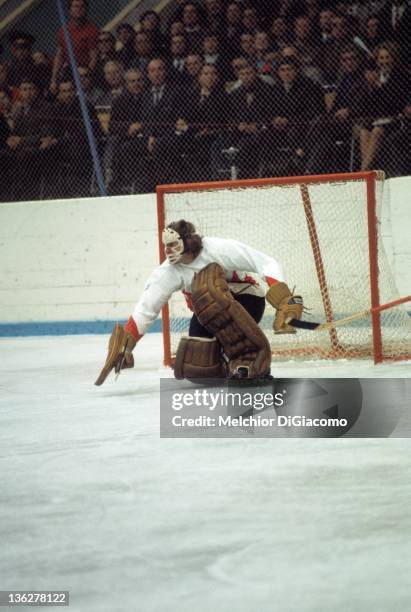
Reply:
x=158, y=290
x=287, y=305
x=236, y=255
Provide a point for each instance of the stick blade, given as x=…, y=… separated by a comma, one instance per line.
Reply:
x=303, y=324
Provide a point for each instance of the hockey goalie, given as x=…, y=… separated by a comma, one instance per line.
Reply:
x=220, y=280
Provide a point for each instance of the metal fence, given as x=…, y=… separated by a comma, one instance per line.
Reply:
x=218, y=90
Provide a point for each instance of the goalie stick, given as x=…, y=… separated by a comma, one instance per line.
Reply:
x=347, y=320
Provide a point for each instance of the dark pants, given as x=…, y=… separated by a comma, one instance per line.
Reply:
x=22, y=170
x=324, y=154
x=253, y=304
x=396, y=151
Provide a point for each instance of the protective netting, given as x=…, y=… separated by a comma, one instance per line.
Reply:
x=199, y=91
x=273, y=219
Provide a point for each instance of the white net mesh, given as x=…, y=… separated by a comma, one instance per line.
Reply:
x=273, y=219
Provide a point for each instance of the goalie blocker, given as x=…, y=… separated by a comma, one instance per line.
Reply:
x=215, y=275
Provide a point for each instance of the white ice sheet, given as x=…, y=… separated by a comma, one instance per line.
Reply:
x=94, y=502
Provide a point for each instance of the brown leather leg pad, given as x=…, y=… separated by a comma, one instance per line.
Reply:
x=198, y=358
x=243, y=341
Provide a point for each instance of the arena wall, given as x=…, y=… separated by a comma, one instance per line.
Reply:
x=75, y=266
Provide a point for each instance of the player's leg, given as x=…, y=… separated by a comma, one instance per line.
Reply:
x=244, y=344
x=199, y=354
x=253, y=304
x=374, y=141
x=197, y=330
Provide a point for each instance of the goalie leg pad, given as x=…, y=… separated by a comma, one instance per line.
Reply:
x=199, y=358
x=244, y=344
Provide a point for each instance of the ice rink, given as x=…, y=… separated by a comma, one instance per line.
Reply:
x=94, y=502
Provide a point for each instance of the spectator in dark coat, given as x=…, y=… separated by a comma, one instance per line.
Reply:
x=279, y=33
x=334, y=128
x=378, y=104
x=214, y=16
x=264, y=56
x=199, y=127
x=213, y=54
x=247, y=46
x=32, y=116
x=71, y=146
x=325, y=18
x=6, y=122
x=22, y=65
x=395, y=20
x=113, y=83
x=150, y=24
x=341, y=36
x=6, y=125
x=372, y=35
x=144, y=51
x=163, y=104
x=193, y=65
x=28, y=148
x=249, y=111
x=93, y=94
x=249, y=21
x=126, y=113
x=308, y=67
x=232, y=29
x=106, y=52
x=295, y=102
x=177, y=59
x=250, y=103
x=193, y=26
x=162, y=101
x=125, y=52
x=126, y=130
x=303, y=38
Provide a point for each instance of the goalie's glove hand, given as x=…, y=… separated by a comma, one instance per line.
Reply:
x=124, y=346
x=288, y=307
x=124, y=360
x=120, y=354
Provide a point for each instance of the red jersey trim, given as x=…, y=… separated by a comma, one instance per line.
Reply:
x=132, y=329
x=189, y=300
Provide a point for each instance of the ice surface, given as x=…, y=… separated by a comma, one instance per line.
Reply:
x=94, y=502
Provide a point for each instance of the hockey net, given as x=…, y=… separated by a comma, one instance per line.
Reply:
x=325, y=231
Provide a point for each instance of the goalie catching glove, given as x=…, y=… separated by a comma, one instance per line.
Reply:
x=288, y=307
x=119, y=354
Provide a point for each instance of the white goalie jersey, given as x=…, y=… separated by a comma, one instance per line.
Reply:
x=247, y=270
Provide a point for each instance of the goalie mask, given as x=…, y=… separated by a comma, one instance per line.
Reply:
x=173, y=245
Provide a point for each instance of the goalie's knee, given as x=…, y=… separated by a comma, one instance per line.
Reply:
x=199, y=358
x=243, y=342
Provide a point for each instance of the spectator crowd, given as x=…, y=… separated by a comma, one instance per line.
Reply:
x=217, y=90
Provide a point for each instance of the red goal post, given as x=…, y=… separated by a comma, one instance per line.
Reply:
x=325, y=231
